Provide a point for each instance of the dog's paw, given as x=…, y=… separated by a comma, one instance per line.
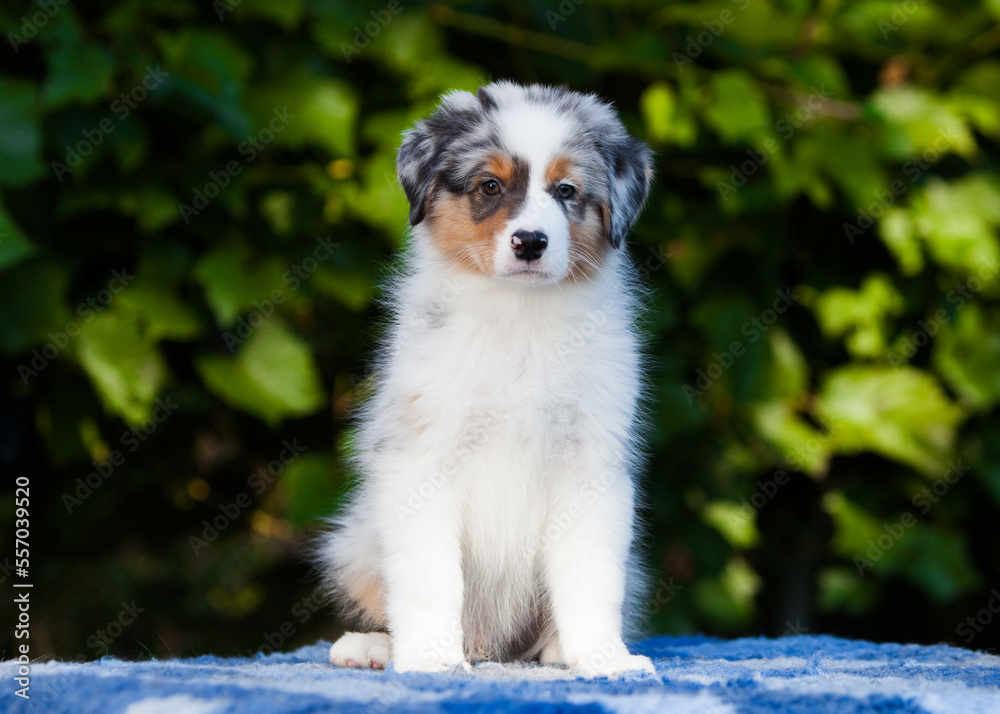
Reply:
x=551, y=654
x=362, y=649
x=600, y=665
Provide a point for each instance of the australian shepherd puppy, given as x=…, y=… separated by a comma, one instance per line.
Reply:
x=495, y=514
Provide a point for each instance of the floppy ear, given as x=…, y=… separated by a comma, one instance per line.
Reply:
x=416, y=166
x=427, y=145
x=630, y=170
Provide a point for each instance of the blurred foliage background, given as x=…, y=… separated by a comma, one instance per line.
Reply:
x=197, y=200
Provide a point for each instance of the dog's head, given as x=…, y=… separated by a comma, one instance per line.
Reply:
x=533, y=184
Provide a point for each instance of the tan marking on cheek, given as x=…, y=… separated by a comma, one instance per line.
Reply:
x=467, y=244
x=588, y=246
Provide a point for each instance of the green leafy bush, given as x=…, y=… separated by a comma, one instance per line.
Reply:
x=197, y=200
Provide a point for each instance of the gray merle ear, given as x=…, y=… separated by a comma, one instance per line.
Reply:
x=427, y=145
x=630, y=164
x=417, y=165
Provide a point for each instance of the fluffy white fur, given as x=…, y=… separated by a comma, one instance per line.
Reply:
x=495, y=514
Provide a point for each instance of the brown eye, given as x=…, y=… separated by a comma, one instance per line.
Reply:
x=564, y=190
x=491, y=187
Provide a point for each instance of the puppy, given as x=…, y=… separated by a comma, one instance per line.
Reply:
x=495, y=514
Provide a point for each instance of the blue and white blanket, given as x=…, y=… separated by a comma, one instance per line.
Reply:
x=693, y=674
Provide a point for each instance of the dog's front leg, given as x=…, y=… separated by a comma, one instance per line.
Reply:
x=586, y=567
x=423, y=577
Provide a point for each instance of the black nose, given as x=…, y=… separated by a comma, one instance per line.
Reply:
x=529, y=245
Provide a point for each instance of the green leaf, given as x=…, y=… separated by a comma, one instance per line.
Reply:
x=353, y=289
x=861, y=316
x=853, y=526
x=14, y=245
x=665, y=119
x=846, y=159
x=901, y=413
x=738, y=109
x=974, y=96
x=273, y=376
x=899, y=235
x=728, y=600
x=159, y=312
x=919, y=122
x=313, y=110
x=124, y=366
x=799, y=444
x=234, y=282
x=153, y=208
x=314, y=484
x=967, y=355
x=209, y=69
x=787, y=373
x=20, y=137
x=32, y=295
x=958, y=221
x=735, y=522
x=844, y=589
x=935, y=560
x=79, y=73
x=285, y=14
x=380, y=202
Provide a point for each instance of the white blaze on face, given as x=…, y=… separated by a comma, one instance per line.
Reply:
x=534, y=133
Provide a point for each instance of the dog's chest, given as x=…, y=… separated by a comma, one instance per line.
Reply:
x=521, y=386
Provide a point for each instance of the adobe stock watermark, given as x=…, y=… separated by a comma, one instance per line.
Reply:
x=365, y=34
x=444, y=642
x=971, y=626
x=302, y=611
x=913, y=169
x=560, y=523
x=562, y=12
x=293, y=278
x=666, y=590
x=696, y=44
x=795, y=629
x=31, y=24
x=580, y=334
x=131, y=440
x=249, y=150
x=434, y=313
x=797, y=458
x=786, y=127
x=476, y=436
x=895, y=531
x=753, y=329
x=224, y=7
x=258, y=482
x=656, y=258
x=86, y=310
x=100, y=642
x=121, y=107
x=900, y=15
x=959, y=296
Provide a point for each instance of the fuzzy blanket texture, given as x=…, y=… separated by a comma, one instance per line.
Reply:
x=693, y=674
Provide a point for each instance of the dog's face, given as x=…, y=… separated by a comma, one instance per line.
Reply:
x=530, y=184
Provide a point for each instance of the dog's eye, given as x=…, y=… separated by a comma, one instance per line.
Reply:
x=564, y=190
x=491, y=187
